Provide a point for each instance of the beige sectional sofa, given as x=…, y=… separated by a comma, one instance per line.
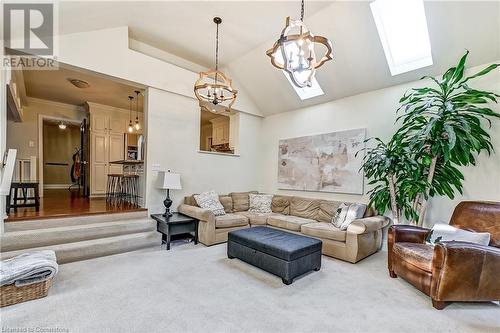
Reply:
x=306, y=216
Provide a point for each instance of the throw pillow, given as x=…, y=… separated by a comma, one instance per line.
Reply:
x=346, y=213
x=442, y=232
x=210, y=200
x=260, y=203
x=339, y=216
x=354, y=212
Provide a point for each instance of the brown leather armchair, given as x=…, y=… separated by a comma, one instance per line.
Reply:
x=450, y=271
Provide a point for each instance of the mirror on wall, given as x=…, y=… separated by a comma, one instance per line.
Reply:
x=216, y=133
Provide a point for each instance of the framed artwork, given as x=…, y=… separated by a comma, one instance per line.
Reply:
x=323, y=162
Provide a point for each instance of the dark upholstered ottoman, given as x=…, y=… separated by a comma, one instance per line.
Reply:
x=278, y=252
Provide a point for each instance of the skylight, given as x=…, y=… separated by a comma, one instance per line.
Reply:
x=402, y=28
x=307, y=92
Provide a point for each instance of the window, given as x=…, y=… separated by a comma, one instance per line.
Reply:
x=402, y=28
x=219, y=131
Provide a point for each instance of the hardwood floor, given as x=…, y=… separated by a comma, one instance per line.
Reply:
x=63, y=203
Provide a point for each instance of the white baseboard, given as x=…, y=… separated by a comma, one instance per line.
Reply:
x=55, y=186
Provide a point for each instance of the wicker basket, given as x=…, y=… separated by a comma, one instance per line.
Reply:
x=10, y=294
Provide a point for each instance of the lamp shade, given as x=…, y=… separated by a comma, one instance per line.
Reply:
x=169, y=180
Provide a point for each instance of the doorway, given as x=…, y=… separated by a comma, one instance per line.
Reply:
x=73, y=130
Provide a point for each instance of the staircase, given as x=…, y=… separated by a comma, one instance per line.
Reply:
x=80, y=238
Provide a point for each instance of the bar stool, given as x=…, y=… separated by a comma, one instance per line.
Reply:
x=131, y=186
x=114, y=186
x=26, y=188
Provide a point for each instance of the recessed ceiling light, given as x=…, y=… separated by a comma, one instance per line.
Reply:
x=79, y=83
x=62, y=125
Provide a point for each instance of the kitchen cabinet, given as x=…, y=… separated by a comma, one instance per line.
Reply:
x=99, y=162
x=220, y=130
x=108, y=126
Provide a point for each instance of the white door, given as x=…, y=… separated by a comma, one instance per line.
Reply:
x=116, y=152
x=99, y=162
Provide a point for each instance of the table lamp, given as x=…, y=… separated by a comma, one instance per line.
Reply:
x=168, y=181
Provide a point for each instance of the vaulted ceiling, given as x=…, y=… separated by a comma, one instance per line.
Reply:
x=185, y=29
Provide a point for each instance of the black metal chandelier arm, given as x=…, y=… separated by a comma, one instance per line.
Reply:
x=130, y=98
x=217, y=48
x=302, y=11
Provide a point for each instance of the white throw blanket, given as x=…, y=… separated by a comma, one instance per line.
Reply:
x=28, y=268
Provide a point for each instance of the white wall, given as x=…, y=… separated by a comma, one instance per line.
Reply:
x=107, y=51
x=173, y=130
x=20, y=134
x=375, y=111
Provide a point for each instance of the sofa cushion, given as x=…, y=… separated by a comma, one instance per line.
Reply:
x=326, y=210
x=417, y=254
x=257, y=218
x=304, y=207
x=323, y=230
x=281, y=204
x=348, y=214
x=210, y=200
x=288, y=222
x=230, y=220
x=227, y=202
x=190, y=201
x=442, y=232
x=241, y=201
x=260, y=203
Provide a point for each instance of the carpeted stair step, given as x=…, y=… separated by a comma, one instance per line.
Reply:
x=70, y=221
x=94, y=248
x=19, y=240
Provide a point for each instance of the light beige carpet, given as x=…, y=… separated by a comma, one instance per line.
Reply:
x=197, y=289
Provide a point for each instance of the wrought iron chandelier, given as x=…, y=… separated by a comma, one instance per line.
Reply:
x=214, y=87
x=295, y=51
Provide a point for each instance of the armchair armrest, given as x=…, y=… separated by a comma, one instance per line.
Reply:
x=407, y=233
x=403, y=233
x=198, y=213
x=464, y=271
x=368, y=224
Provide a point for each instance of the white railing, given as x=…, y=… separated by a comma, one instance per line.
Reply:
x=25, y=170
x=8, y=165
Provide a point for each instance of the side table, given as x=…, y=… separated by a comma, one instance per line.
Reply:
x=177, y=224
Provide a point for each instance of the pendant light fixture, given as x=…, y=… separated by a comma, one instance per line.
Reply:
x=130, y=128
x=137, y=125
x=295, y=51
x=214, y=87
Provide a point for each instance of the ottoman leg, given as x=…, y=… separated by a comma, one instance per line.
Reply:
x=287, y=282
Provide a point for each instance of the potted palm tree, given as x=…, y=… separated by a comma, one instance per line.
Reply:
x=443, y=127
